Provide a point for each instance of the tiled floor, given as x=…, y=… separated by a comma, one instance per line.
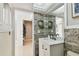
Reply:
x=27, y=49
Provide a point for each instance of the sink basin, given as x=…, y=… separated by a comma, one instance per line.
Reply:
x=52, y=41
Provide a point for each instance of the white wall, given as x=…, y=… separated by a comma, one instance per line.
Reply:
x=19, y=17
x=23, y=6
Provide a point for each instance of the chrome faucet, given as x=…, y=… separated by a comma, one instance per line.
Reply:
x=53, y=36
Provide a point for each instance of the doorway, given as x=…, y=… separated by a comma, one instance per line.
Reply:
x=27, y=38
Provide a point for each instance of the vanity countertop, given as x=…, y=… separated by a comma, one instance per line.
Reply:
x=52, y=41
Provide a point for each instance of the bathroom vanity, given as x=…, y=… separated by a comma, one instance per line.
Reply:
x=50, y=47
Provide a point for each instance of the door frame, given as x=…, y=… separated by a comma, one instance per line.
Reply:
x=33, y=45
x=13, y=31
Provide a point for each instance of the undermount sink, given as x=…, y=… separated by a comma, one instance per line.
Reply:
x=52, y=41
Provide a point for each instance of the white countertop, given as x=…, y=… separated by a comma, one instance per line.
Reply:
x=52, y=41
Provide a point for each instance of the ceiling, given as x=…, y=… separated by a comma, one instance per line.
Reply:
x=45, y=8
x=41, y=6
x=59, y=12
x=49, y=8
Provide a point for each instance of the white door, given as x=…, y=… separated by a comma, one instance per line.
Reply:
x=5, y=30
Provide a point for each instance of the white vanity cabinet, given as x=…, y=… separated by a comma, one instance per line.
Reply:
x=43, y=49
x=47, y=49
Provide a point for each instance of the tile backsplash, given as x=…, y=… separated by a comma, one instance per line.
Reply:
x=72, y=39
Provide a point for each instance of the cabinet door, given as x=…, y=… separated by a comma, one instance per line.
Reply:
x=57, y=50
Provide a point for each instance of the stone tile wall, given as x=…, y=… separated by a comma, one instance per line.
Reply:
x=72, y=39
x=43, y=32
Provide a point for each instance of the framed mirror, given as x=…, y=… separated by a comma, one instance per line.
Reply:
x=75, y=7
x=50, y=24
x=41, y=24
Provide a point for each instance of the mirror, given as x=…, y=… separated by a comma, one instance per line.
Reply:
x=41, y=24
x=50, y=24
